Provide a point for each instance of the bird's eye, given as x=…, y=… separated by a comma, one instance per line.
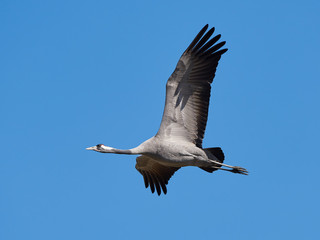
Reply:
x=99, y=146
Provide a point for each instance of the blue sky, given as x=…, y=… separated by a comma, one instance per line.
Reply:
x=78, y=73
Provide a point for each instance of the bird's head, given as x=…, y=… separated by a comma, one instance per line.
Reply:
x=100, y=148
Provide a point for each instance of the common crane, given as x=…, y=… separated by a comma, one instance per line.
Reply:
x=178, y=142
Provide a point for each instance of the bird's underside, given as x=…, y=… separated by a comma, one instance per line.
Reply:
x=178, y=142
x=158, y=169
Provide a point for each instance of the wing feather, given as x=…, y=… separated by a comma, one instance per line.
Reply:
x=188, y=90
x=154, y=174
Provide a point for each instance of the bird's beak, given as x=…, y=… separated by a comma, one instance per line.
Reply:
x=91, y=148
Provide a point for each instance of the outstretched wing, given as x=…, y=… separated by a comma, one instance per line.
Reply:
x=154, y=174
x=188, y=90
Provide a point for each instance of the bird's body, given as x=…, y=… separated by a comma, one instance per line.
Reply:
x=178, y=142
x=174, y=154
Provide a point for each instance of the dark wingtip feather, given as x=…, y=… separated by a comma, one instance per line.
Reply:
x=198, y=37
x=205, y=28
x=224, y=50
x=203, y=40
x=163, y=185
x=156, y=183
x=151, y=184
x=164, y=189
x=211, y=42
x=146, y=183
x=214, y=48
x=220, y=52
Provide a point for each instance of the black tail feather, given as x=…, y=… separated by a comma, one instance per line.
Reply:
x=218, y=153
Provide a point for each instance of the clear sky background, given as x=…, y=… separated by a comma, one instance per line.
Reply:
x=77, y=73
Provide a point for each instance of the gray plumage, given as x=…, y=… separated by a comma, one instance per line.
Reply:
x=178, y=142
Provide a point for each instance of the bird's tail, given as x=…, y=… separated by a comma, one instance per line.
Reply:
x=218, y=153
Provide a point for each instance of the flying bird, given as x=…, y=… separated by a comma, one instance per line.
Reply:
x=178, y=142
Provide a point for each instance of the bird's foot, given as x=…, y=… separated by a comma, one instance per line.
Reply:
x=239, y=170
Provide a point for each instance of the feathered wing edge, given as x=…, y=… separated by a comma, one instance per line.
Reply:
x=188, y=89
x=201, y=47
x=204, y=55
x=154, y=174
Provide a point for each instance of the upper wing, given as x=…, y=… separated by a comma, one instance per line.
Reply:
x=154, y=174
x=188, y=90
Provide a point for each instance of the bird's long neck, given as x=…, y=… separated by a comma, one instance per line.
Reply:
x=105, y=149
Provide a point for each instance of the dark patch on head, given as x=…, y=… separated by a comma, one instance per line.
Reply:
x=99, y=146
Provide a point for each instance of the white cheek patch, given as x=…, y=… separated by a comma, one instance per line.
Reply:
x=106, y=148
